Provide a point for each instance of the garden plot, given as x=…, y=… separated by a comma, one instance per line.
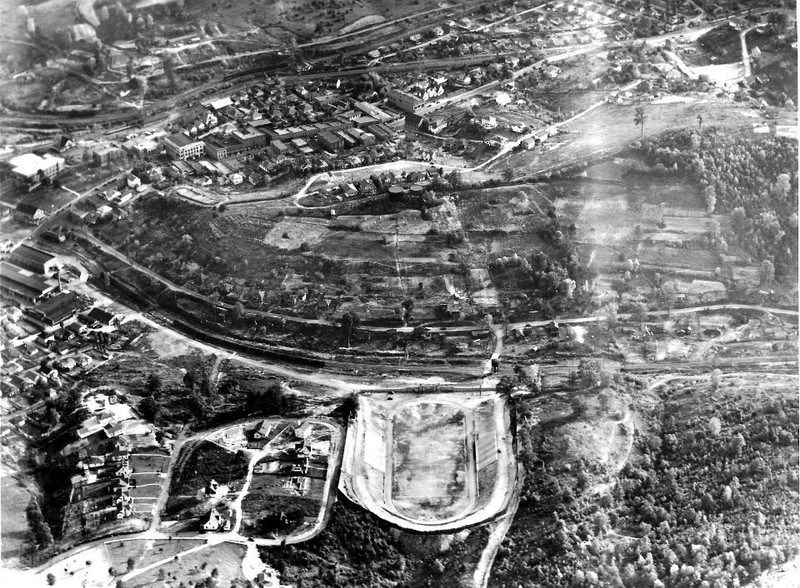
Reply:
x=429, y=454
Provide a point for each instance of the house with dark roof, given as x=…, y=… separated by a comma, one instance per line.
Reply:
x=102, y=316
x=29, y=213
x=57, y=309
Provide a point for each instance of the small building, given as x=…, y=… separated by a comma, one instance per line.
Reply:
x=103, y=317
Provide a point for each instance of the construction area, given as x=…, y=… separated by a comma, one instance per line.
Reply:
x=436, y=463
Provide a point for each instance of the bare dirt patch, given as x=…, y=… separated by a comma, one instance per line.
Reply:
x=430, y=461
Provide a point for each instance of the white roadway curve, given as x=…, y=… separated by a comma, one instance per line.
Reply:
x=353, y=481
x=210, y=539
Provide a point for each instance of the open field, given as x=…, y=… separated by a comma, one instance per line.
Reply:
x=611, y=127
x=429, y=468
x=144, y=552
x=16, y=532
x=221, y=562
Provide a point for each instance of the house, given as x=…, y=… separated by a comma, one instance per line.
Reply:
x=33, y=259
x=211, y=488
x=29, y=213
x=263, y=430
x=103, y=317
x=64, y=143
x=217, y=522
x=236, y=178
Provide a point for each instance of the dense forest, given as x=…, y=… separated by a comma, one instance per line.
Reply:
x=755, y=180
x=708, y=498
x=358, y=549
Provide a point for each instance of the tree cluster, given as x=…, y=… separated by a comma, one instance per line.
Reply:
x=755, y=181
x=707, y=504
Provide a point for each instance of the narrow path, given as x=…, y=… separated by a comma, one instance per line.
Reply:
x=136, y=572
x=163, y=495
x=480, y=578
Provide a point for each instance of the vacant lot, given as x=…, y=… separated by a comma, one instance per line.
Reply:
x=611, y=127
x=429, y=454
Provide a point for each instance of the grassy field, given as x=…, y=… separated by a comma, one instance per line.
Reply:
x=611, y=127
x=15, y=541
x=429, y=454
x=144, y=552
x=222, y=562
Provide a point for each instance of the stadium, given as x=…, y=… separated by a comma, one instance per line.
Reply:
x=433, y=462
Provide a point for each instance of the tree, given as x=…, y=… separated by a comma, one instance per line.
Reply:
x=639, y=312
x=766, y=272
x=169, y=71
x=710, y=194
x=349, y=324
x=51, y=579
x=236, y=312
x=506, y=385
x=716, y=376
x=408, y=307
x=153, y=384
x=783, y=185
x=639, y=118
x=150, y=408
x=130, y=564
x=699, y=122
x=592, y=375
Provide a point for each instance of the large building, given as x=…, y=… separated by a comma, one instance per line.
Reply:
x=34, y=259
x=20, y=285
x=232, y=144
x=403, y=100
x=30, y=167
x=183, y=147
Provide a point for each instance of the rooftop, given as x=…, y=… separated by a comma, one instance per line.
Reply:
x=31, y=254
x=22, y=282
x=180, y=139
x=29, y=164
